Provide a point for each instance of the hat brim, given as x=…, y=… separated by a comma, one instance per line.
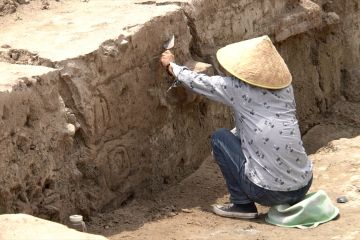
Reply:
x=255, y=61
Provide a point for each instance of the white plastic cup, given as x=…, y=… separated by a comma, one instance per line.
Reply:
x=77, y=223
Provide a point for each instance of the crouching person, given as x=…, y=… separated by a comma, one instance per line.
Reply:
x=263, y=160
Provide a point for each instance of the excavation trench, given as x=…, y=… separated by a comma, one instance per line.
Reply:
x=96, y=126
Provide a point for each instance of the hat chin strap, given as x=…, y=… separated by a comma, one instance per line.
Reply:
x=218, y=70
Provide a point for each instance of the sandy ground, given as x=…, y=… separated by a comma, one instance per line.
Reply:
x=72, y=28
x=183, y=210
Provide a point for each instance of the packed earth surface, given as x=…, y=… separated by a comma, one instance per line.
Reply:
x=88, y=124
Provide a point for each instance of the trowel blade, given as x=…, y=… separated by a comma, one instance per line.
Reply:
x=170, y=43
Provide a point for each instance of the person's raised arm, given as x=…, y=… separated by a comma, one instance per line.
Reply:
x=217, y=88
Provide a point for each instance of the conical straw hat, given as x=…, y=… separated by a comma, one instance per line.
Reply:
x=256, y=62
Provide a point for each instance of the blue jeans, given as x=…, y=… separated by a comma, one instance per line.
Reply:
x=231, y=160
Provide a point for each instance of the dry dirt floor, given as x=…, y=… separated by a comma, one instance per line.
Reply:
x=183, y=210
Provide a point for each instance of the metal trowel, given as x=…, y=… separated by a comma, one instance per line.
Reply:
x=170, y=43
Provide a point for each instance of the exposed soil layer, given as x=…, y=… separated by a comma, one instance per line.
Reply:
x=87, y=124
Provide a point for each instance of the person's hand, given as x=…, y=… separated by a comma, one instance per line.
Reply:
x=166, y=58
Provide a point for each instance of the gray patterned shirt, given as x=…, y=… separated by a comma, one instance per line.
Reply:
x=266, y=125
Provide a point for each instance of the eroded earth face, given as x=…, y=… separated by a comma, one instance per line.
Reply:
x=87, y=123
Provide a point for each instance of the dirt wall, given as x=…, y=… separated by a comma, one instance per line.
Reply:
x=102, y=128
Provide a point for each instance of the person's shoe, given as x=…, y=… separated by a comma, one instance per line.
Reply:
x=246, y=211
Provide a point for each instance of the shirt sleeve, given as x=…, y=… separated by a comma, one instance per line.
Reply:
x=215, y=88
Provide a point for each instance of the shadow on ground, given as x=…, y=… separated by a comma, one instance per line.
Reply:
x=198, y=191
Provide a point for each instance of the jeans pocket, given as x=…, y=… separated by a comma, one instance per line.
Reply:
x=266, y=197
x=255, y=192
